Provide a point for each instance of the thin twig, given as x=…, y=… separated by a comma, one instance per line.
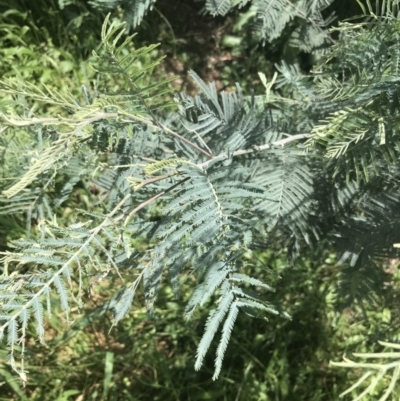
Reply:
x=223, y=156
x=56, y=120
x=156, y=124
x=155, y=197
x=152, y=180
x=267, y=146
x=198, y=137
x=193, y=145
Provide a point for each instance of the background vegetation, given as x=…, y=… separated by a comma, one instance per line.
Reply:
x=50, y=42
